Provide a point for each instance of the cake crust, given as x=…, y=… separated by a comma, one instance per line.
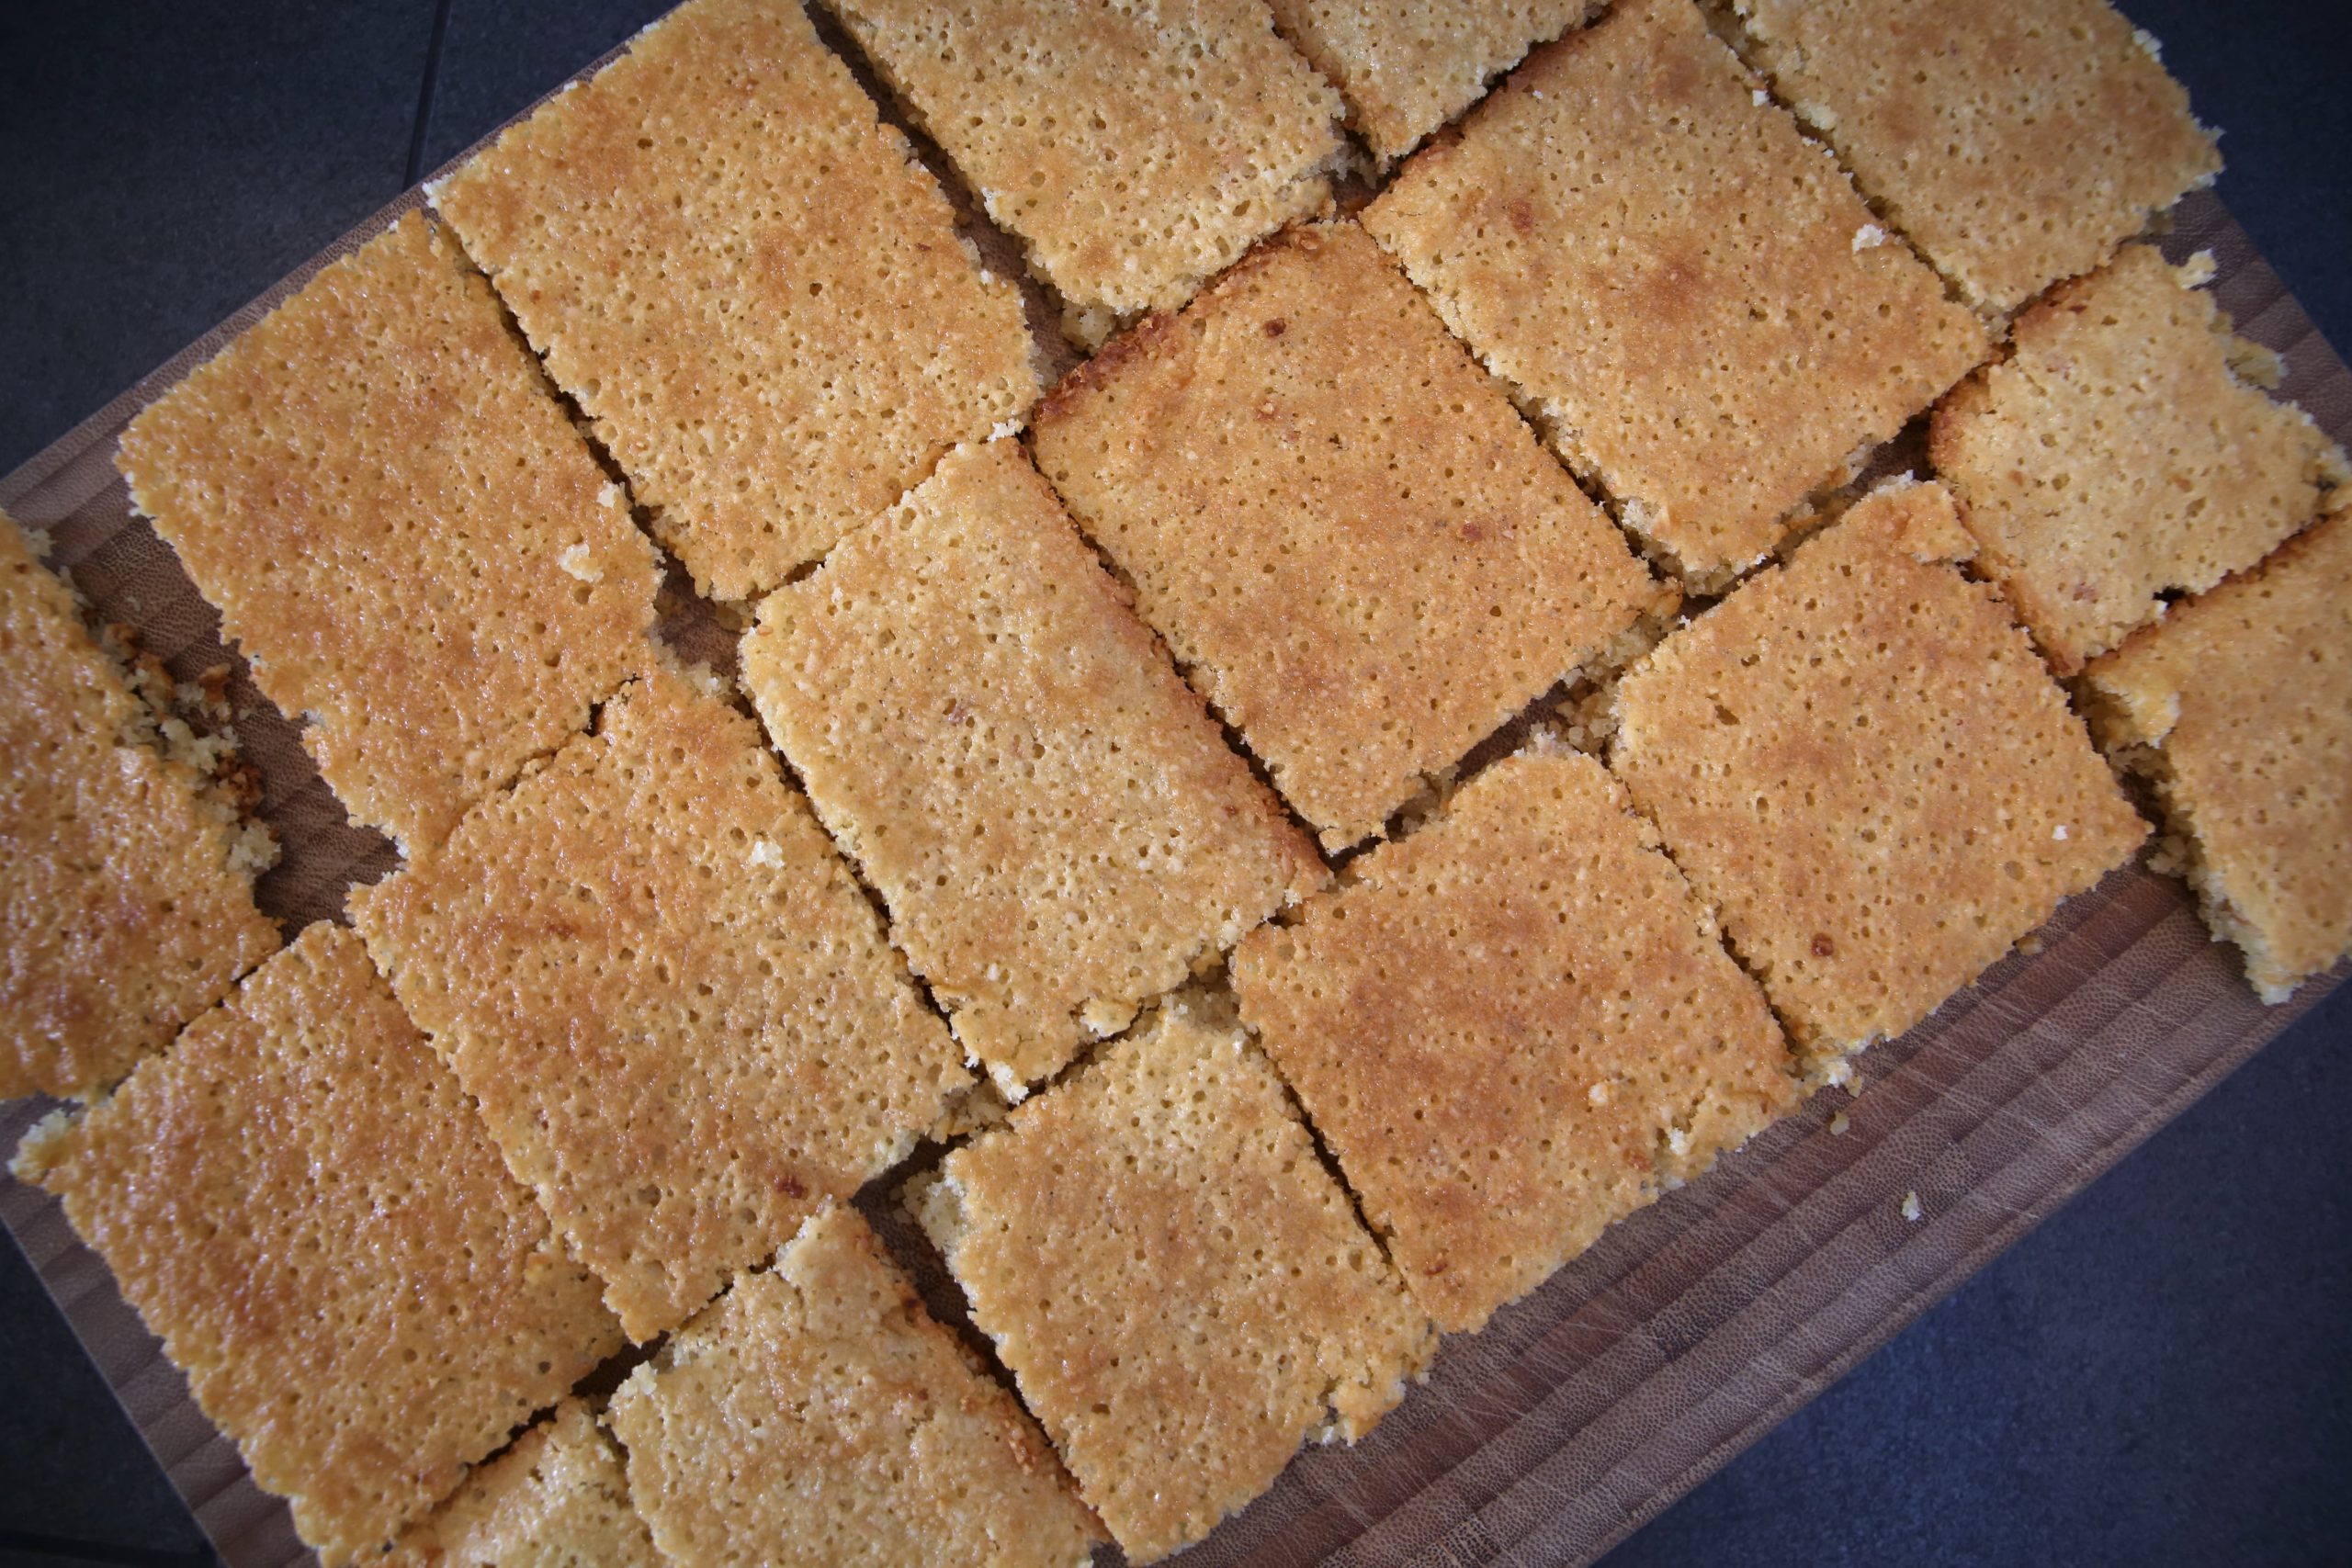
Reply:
x=1364, y=559
x=1686, y=290
x=415, y=551
x=750, y=284
x=1056, y=824
x=303, y=1206
x=1512, y=1027
x=678, y=1014
x=1859, y=761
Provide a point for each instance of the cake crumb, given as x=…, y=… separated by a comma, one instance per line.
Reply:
x=1911, y=1210
x=576, y=561
x=1869, y=235
x=1838, y=1124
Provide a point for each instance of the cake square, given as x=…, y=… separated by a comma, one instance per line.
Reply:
x=748, y=284
x=558, y=1498
x=1407, y=67
x=1134, y=150
x=126, y=886
x=1858, y=761
x=2015, y=142
x=1513, y=1028
x=303, y=1206
x=2238, y=705
x=1362, y=556
x=677, y=1013
x=1056, y=824
x=2115, y=457
x=414, y=548
x=1180, y=1288
x=815, y=1415
x=1704, y=313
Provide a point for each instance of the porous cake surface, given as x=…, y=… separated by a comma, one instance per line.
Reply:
x=748, y=284
x=126, y=896
x=1057, y=826
x=1362, y=555
x=678, y=1014
x=1135, y=149
x=1704, y=313
x=1512, y=1027
x=2116, y=457
x=558, y=1498
x=1407, y=67
x=1182, y=1290
x=402, y=530
x=817, y=1415
x=2242, y=698
x=1859, y=761
x=2014, y=142
x=303, y=1206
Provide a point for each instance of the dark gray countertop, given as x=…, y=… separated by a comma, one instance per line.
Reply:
x=2159, y=1374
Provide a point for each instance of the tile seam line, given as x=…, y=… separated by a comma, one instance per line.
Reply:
x=436, y=46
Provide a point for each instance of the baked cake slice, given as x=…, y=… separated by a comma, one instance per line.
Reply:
x=816, y=1415
x=2016, y=142
x=404, y=533
x=1056, y=824
x=1362, y=556
x=748, y=283
x=301, y=1204
x=2238, y=705
x=1686, y=290
x=556, y=1498
x=1136, y=150
x=1405, y=67
x=1208, y=1301
x=1513, y=1027
x=677, y=1013
x=2116, y=458
x=126, y=891
x=1858, y=761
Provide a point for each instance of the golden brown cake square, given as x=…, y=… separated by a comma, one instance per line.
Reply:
x=1512, y=1027
x=678, y=1013
x=126, y=890
x=1858, y=761
x=1182, y=1290
x=303, y=1206
x=750, y=284
x=1056, y=824
x=1405, y=67
x=1690, y=294
x=816, y=1415
x=414, y=548
x=2115, y=457
x=556, y=1498
x=2014, y=142
x=1134, y=150
x=1361, y=553
x=2238, y=705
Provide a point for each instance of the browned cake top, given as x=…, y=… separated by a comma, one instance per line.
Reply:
x=1407, y=67
x=126, y=896
x=1135, y=148
x=816, y=1415
x=677, y=1013
x=1704, y=312
x=748, y=284
x=1058, y=826
x=1349, y=537
x=402, y=530
x=301, y=1204
x=2014, y=142
x=2246, y=693
x=1512, y=1027
x=556, y=1499
x=1182, y=1289
x=1857, y=759
x=2116, y=455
